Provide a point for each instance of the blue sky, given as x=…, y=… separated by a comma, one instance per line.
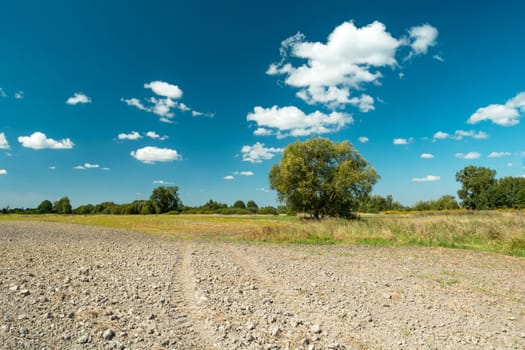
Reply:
x=105, y=100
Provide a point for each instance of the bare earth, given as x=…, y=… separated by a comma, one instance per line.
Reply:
x=77, y=287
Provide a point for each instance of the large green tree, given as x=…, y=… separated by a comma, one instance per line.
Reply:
x=478, y=186
x=63, y=206
x=322, y=178
x=165, y=199
x=45, y=207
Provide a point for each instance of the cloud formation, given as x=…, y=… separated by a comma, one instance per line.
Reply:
x=363, y=139
x=39, y=140
x=258, y=152
x=229, y=177
x=291, y=121
x=3, y=141
x=351, y=58
x=428, y=178
x=164, y=102
x=87, y=166
x=499, y=154
x=3, y=172
x=78, y=97
x=402, y=141
x=427, y=155
x=133, y=136
x=470, y=155
x=507, y=114
x=460, y=135
x=152, y=155
x=153, y=135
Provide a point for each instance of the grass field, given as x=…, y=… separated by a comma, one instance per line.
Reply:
x=495, y=231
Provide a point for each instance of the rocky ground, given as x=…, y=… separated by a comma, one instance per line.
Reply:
x=77, y=287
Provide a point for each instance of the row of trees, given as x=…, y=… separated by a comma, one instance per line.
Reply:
x=162, y=200
x=481, y=190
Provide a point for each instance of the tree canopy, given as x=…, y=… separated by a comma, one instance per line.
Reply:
x=165, y=199
x=322, y=178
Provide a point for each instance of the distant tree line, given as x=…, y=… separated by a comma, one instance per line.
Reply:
x=162, y=200
x=480, y=190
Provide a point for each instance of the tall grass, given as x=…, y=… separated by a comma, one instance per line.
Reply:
x=495, y=231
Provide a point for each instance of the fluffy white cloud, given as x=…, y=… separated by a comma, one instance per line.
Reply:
x=39, y=140
x=2, y=93
x=258, y=152
x=135, y=102
x=3, y=141
x=151, y=155
x=52, y=167
x=229, y=177
x=3, y=172
x=421, y=38
x=427, y=155
x=291, y=121
x=499, y=154
x=438, y=58
x=350, y=58
x=78, y=97
x=155, y=136
x=19, y=95
x=428, y=178
x=134, y=135
x=401, y=141
x=507, y=114
x=162, y=88
x=470, y=155
x=164, y=102
x=246, y=173
x=363, y=139
x=460, y=135
x=88, y=166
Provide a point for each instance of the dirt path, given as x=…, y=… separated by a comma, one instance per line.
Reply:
x=77, y=287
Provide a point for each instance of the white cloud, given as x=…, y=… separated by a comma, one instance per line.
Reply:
x=401, y=141
x=427, y=155
x=460, y=135
x=421, y=38
x=438, y=58
x=78, y=97
x=3, y=172
x=134, y=135
x=258, y=152
x=135, y=102
x=428, y=178
x=151, y=155
x=164, y=89
x=440, y=135
x=39, y=140
x=229, y=177
x=350, y=58
x=363, y=139
x=3, y=141
x=87, y=166
x=162, y=182
x=509, y=164
x=52, y=167
x=2, y=93
x=470, y=155
x=164, y=102
x=155, y=136
x=246, y=173
x=291, y=121
x=19, y=95
x=499, y=154
x=507, y=114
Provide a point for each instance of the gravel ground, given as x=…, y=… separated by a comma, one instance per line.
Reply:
x=77, y=287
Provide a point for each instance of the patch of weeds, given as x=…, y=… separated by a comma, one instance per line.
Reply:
x=376, y=241
x=515, y=247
